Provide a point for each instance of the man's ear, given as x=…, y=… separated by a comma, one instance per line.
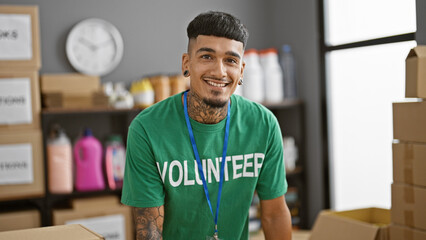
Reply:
x=185, y=62
x=243, y=65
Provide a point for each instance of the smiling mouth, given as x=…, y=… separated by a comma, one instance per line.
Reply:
x=216, y=84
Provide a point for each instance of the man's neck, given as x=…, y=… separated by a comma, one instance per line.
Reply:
x=203, y=113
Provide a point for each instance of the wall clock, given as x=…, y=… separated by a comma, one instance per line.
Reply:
x=94, y=47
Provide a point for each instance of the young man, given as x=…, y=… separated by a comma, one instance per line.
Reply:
x=195, y=159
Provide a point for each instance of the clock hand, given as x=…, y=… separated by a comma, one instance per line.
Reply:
x=104, y=43
x=87, y=44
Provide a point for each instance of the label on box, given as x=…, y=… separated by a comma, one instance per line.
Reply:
x=15, y=37
x=111, y=227
x=16, y=165
x=15, y=101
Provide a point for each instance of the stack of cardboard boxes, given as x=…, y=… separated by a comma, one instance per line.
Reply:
x=72, y=91
x=21, y=148
x=408, y=212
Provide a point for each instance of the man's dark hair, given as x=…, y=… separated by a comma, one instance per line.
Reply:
x=218, y=24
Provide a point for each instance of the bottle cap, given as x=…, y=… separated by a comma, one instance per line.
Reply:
x=250, y=51
x=268, y=50
x=87, y=132
x=286, y=48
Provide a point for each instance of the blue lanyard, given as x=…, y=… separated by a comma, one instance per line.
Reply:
x=200, y=168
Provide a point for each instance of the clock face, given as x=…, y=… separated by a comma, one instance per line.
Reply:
x=94, y=47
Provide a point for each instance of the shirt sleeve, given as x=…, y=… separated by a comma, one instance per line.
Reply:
x=272, y=181
x=142, y=186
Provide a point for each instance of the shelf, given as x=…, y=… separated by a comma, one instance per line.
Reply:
x=46, y=111
x=56, y=111
x=55, y=197
x=287, y=103
x=295, y=172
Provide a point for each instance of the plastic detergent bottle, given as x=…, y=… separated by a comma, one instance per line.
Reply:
x=272, y=74
x=88, y=162
x=253, y=87
x=288, y=67
x=115, y=160
x=59, y=161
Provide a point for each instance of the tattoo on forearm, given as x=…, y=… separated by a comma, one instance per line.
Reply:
x=149, y=223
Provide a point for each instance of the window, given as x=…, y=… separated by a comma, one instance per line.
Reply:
x=366, y=43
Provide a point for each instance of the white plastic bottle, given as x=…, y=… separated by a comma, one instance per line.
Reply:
x=290, y=153
x=59, y=160
x=272, y=74
x=253, y=88
x=288, y=67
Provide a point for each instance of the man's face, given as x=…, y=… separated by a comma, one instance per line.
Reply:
x=215, y=66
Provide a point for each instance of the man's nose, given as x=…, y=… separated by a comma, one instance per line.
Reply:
x=220, y=69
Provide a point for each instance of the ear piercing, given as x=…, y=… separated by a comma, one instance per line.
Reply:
x=186, y=73
x=240, y=82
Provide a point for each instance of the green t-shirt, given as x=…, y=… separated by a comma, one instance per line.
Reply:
x=161, y=167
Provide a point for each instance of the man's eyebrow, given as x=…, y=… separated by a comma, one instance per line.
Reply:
x=206, y=49
x=232, y=53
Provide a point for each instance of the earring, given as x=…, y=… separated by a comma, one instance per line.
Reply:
x=186, y=73
x=240, y=82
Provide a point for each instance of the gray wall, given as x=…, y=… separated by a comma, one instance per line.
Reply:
x=154, y=33
x=296, y=22
x=421, y=22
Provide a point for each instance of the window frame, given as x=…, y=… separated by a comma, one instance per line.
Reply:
x=324, y=50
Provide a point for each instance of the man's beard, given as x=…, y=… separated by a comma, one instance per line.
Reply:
x=215, y=103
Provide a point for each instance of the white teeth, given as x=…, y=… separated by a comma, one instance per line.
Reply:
x=216, y=84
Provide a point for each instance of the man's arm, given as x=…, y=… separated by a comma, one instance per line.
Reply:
x=276, y=219
x=149, y=222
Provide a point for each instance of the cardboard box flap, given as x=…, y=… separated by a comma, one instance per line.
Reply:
x=63, y=232
x=332, y=227
x=95, y=203
x=366, y=224
x=376, y=216
x=419, y=51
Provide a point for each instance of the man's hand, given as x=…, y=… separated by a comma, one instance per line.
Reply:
x=276, y=219
x=149, y=222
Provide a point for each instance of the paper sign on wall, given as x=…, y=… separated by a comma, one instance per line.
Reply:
x=111, y=227
x=15, y=101
x=16, y=165
x=15, y=37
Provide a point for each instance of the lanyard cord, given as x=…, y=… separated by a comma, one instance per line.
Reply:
x=200, y=168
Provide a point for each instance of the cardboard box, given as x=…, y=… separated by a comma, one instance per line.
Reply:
x=20, y=105
x=20, y=41
x=409, y=163
x=415, y=73
x=365, y=224
x=21, y=165
x=68, y=232
x=75, y=101
x=17, y=220
x=72, y=83
x=409, y=120
x=91, y=209
x=398, y=232
x=408, y=205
